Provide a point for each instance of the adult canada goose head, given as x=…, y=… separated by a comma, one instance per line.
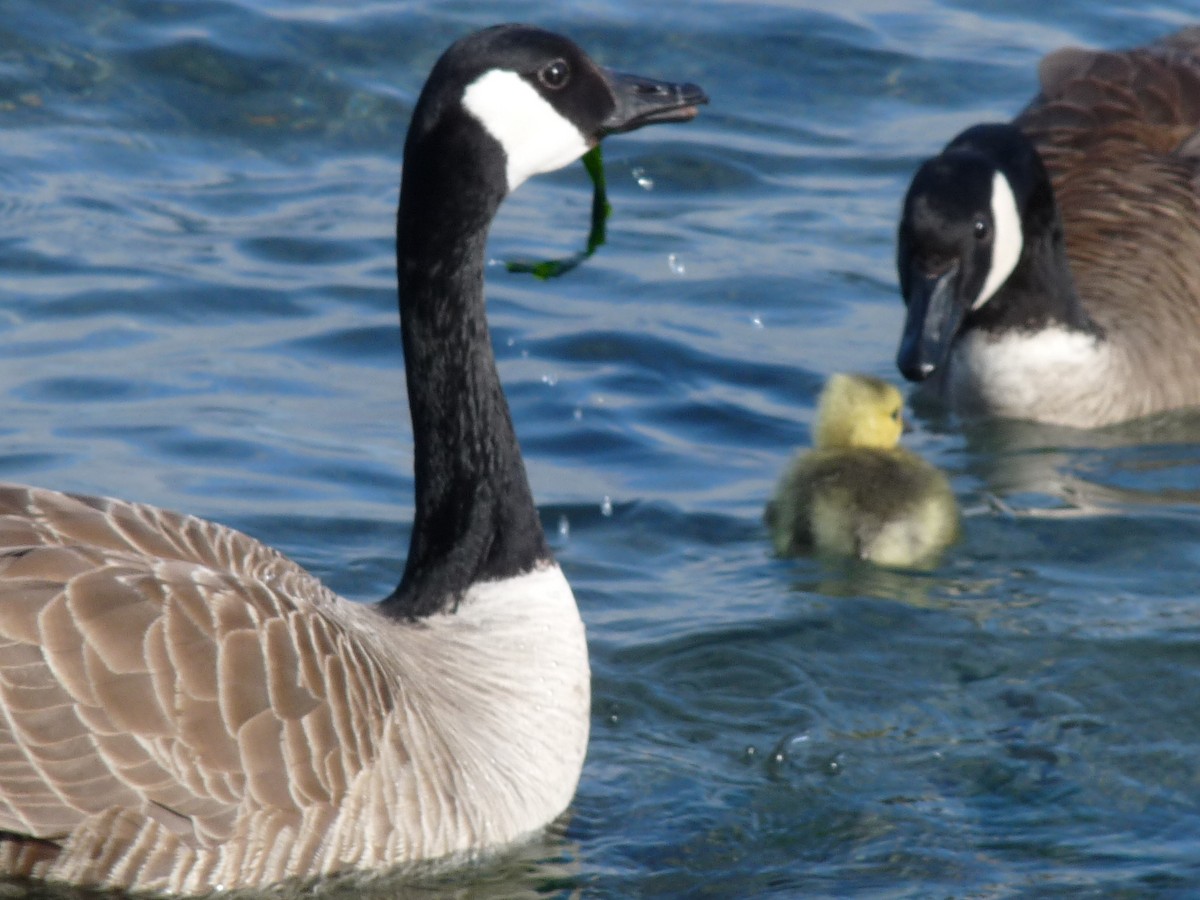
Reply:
x=1046, y=264
x=186, y=710
x=971, y=217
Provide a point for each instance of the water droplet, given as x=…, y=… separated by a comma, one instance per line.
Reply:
x=676, y=264
x=606, y=506
x=524, y=354
x=511, y=341
x=564, y=527
x=578, y=414
x=645, y=182
x=549, y=379
x=756, y=321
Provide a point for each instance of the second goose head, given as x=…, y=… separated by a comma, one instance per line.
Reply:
x=980, y=245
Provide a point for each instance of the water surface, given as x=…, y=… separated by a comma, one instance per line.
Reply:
x=198, y=311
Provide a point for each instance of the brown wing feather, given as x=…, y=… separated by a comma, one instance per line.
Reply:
x=162, y=666
x=1119, y=135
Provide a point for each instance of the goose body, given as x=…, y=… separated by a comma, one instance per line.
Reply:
x=182, y=708
x=1051, y=266
x=858, y=494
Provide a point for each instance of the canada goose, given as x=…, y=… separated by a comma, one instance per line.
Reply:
x=184, y=709
x=858, y=494
x=1051, y=267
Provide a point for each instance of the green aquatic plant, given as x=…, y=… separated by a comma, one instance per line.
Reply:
x=593, y=161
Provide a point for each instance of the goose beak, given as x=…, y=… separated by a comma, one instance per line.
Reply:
x=934, y=317
x=643, y=101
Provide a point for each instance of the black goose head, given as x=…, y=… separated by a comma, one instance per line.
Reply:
x=970, y=218
x=537, y=99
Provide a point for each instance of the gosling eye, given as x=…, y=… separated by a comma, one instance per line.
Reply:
x=555, y=75
x=981, y=229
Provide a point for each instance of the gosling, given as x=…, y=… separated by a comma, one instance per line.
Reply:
x=858, y=494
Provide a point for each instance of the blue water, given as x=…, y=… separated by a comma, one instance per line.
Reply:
x=197, y=310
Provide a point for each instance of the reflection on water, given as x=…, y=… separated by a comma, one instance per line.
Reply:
x=546, y=865
x=1154, y=461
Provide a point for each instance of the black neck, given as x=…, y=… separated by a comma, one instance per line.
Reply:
x=475, y=519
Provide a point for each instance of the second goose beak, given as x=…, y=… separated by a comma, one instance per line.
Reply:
x=934, y=317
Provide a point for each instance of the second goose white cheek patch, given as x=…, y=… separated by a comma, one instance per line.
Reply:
x=535, y=136
x=1007, y=242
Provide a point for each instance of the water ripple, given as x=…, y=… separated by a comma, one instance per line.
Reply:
x=196, y=213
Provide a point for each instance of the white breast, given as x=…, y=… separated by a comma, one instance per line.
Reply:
x=494, y=725
x=1054, y=375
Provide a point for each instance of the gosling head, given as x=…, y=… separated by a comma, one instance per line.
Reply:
x=859, y=411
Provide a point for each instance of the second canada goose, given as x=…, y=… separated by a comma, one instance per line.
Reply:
x=1051, y=267
x=858, y=494
x=182, y=708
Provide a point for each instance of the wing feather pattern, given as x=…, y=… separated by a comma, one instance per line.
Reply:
x=1120, y=135
x=183, y=708
x=156, y=682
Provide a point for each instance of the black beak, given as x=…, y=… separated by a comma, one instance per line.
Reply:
x=934, y=317
x=642, y=101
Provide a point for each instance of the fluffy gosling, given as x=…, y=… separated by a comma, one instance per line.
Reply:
x=857, y=493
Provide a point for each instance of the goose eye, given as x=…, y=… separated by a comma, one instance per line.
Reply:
x=980, y=228
x=555, y=74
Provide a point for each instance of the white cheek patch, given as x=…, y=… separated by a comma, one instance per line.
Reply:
x=535, y=136
x=1007, y=242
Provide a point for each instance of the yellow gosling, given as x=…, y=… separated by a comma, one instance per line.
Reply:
x=857, y=493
